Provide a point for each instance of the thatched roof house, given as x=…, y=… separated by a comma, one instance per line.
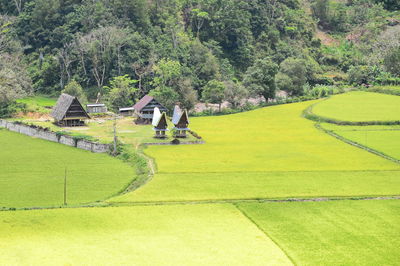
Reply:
x=144, y=109
x=69, y=111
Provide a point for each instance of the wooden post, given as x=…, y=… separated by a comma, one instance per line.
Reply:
x=65, y=187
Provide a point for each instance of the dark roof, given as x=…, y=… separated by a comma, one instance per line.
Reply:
x=142, y=103
x=62, y=106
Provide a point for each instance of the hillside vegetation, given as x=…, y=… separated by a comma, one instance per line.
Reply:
x=193, y=50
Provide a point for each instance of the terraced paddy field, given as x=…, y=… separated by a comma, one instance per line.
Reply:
x=152, y=235
x=268, y=153
x=255, y=156
x=384, y=139
x=360, y=106
x=332, y=233
x=32, y=173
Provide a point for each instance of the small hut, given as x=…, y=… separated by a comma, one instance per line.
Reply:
x=144, y=109
x=180, y=119
x=69, y=112
x=126, y=111
x=96, y=108
x=160, y=123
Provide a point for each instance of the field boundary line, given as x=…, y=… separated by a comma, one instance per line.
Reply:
x=310, y=115
x=356, y=144
x=216, y=201
x=265, y=233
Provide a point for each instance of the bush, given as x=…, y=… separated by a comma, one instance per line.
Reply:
x=323, y=91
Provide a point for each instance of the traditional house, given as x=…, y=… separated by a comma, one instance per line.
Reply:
x=160, y=123
x=96, y=108
x=129, y=111
x=144, y=109
x=181, y=121
x=69, y=112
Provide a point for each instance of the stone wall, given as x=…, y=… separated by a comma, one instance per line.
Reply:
x=52, y=136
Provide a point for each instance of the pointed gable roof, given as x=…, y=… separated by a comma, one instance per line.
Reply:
x=180, y=116
x=156, y=116
x=161, y=123
x=177, y=115
x=62, y=106
x=142, y=103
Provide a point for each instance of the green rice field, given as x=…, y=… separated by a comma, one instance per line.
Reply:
x=332, y=233
x=151, y=235
x=360, y=106
x=268, y=153
x=384, y=139
x=32, y=173
x=210, y=204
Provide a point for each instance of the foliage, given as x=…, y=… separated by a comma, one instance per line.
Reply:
x=73, y=88
x=235, y=93
x=392, y=62
x=214, y=92
x=121, y=92
x=323, y=91
x=260, y=78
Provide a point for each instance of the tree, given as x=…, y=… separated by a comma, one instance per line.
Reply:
x=166, y=95
x=392, y=61
x=235, y=93
x=293, y=76
x=260, y=78
x=214, y=92
x=73, y=88
x=121, y=92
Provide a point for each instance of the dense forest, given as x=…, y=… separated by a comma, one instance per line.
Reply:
x=194, y=50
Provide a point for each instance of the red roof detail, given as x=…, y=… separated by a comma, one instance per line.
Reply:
x=142, y=103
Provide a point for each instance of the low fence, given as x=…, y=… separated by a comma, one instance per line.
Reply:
x=41, y=133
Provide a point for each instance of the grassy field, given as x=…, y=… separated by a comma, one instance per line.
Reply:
x=271, y=152
x=40, y=104
x=152, y=235
x=332, y=233
x=32, y=173
x=385, y=139
x=360, y=106
x=102, y=129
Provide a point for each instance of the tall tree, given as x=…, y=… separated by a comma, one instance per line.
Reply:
x=260, y=78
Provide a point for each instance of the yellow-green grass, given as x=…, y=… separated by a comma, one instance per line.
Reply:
x=152, y=235
x=385, y=139
x=32, y=173
x=360, y=106
x=127, y=131
x=266, y=153
x=332, y=233
x=42, y=101
x=40, y=104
